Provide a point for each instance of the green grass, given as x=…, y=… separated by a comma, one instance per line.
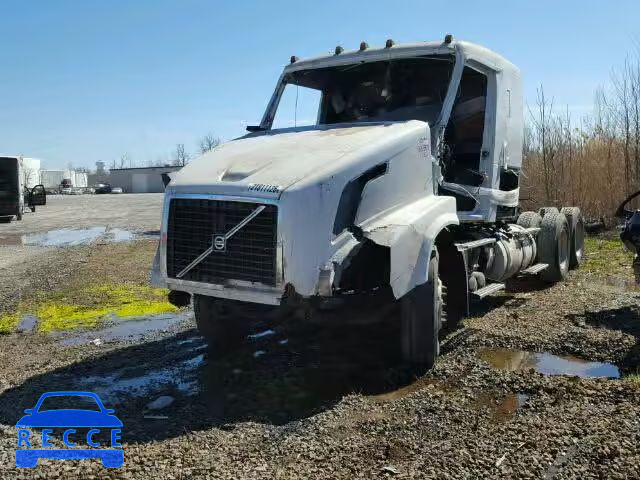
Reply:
x=633, y=378
x=606, y=256
x=88, y=306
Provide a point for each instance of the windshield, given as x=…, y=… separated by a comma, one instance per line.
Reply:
x=394, y=90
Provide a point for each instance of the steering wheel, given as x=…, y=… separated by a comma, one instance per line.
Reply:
x=622, y=212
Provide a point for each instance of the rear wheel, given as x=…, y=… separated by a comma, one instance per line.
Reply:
x=217, y=323
x=421, y=319
x=553, y=248
x=529, y=220
x=576, y=238
x=544, y=210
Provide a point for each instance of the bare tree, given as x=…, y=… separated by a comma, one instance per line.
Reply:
x=125, y=159
x=181, y=157
x=28, y=175
x=208, y=143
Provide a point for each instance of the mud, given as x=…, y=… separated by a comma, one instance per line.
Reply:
x=335, y=401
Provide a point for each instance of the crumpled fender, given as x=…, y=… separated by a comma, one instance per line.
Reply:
x=410, y=232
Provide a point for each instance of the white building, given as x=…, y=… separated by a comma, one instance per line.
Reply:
x=140, y=180
x=31, y=171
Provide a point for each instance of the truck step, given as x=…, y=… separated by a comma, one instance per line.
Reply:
x=488, y=290
x=475, y=244
x=535, y=269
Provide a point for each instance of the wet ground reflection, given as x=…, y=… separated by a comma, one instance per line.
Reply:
x=547, y=364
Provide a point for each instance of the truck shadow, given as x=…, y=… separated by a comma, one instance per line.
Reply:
x=624, y=319
x=303, y=371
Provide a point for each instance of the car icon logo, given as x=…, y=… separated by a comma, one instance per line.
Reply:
x=47, y=419
x=219, y=243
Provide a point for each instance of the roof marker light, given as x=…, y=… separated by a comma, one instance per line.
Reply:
x=294, y=59
x=363, y=46
x=338, y=50
x=389, y=43
x=448, y=38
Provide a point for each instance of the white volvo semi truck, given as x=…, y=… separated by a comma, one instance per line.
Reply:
x=404, y=192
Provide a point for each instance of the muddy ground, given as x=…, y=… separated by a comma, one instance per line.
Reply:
x=539, y=383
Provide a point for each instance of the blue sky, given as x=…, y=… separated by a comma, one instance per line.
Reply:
x=82, y=81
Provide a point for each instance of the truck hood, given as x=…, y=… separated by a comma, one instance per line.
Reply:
x=271, y=161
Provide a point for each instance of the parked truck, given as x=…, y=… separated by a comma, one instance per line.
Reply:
x=11, y=189
x=14, y=191
x=404, y=192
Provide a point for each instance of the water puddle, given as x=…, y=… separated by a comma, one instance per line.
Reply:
x=27, y=323
x=128, y=329
x=119, y=235
x=501, y=408
x=115, y=388
x=73, y=237
x=547, y=364
x=266, y=333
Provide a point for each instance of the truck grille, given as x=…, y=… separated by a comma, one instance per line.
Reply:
x=250, y=254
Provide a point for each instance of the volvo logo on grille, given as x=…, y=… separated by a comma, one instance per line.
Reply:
x=219, y=243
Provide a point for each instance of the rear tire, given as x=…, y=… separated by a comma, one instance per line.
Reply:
x=544, y=210
x=216, y=322
x=421, y=319
x=553, y=248
x=576, y=240
x=529, y=220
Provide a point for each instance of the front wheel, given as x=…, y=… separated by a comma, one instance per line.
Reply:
x=422, y=318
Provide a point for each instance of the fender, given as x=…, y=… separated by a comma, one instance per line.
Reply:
x=410, y=233
x=156, y=279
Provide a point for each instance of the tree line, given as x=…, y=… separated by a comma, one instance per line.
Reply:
x=593, y=163
x=179, y=157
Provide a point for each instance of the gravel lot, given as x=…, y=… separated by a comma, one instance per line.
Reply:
x=306, y=401
x=138, y=211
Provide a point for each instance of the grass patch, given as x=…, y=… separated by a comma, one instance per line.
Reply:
x=8, y=323
x=88, y=306
x=633, y=378
x=606, y=256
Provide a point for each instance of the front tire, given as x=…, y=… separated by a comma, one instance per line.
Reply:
x=217, y=323
x=421, y=319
